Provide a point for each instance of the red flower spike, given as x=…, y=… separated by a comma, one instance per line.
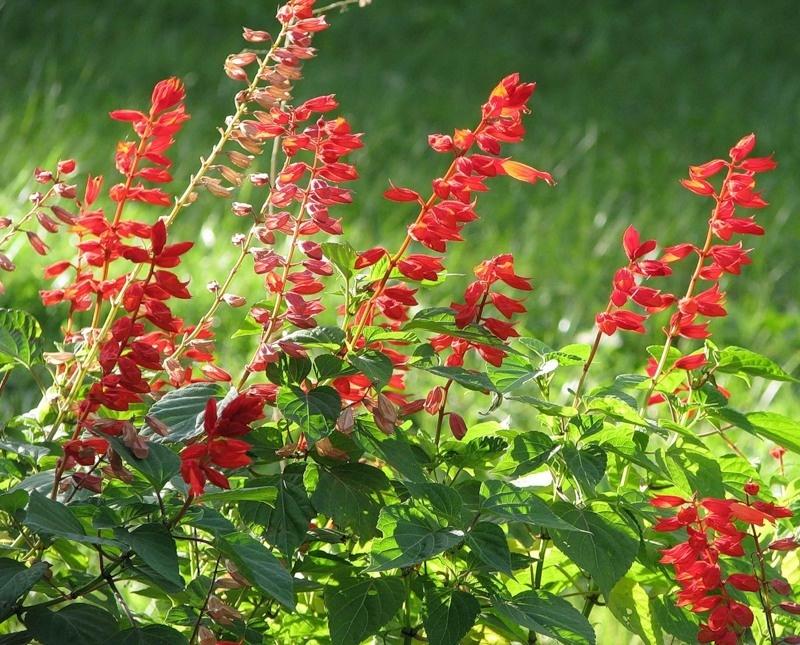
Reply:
x=667, y=501
x=397, y=194
x=743, y=148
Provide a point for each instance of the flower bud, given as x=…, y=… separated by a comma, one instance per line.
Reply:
x=66, y=167
x=42, y=176
x=233, y=300
x=241, y=209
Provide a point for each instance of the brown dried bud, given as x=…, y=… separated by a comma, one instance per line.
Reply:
x=242, y=59
x=133, y=441
x=213, y=286
x=236, y=73
x=346, y=421
x=325, y=448
x=205, y=636
x=5, y=222
x=259, y=179
x=46, y=222
x=57, y=358
x=264, y=235
x=234, y=300
x=215, y=187
x=37, y=243
x=36, y=198
x=238, y=239
x=254, y=36
x=42, y=176
x=156, y=425
x=221, y=612
x=63, y=214
x=236, y=575
x=173, y=367
x=68, y=191
x=241, y=209
x=385, y=415
x=6, y=264
x=230, y=175
x=239, y=159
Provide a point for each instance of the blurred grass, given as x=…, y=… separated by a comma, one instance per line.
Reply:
x=629, y=95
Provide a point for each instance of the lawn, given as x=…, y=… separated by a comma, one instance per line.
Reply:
x=629, y=95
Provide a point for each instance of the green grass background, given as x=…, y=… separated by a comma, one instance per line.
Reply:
x=630, y=94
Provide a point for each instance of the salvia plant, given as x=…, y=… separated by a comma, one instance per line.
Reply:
x=377, y=470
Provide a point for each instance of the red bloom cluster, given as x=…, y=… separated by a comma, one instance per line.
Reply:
x=713, y=530
x=477, y=296
x=219, y=447
x=627, y=287
x=293, y=280
x=454, y=198
x=57, y=188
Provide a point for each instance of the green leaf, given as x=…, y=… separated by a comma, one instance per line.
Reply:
x=315, y=412
x=16, y=638
x=247, y=494
x=587, y=465
x=616, y=408
x=375, y=365
x=410, y=536
x=509, y=504
x=443, y=500
x=150, y=635
x=288, y=521
x=489, y=543
x=47, y=517
x=323, y=337
x=776, y=427
x=545, y=407
x=359, y=607
x=546, y=614
x=160, y=465
x=181, y=411
x=402, y=457
x=441, y=320
x=738, y=360
x=346, y=493
x=449, y=616
x=259, y=566
x=13, y=500
x=529, y=451
x=342, y=256
x=675, y=621
x=16, y=580
x=19, y=339
x=156, y=547
x=573, y=354
x=605, y=548
x=476, y=381
x=630, y=605
x=76, y=623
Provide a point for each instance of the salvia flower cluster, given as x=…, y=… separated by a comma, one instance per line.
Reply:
x=712, y=564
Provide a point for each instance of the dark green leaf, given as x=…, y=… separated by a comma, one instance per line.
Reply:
x=528, y=452
x=489, y=543
x=315, y=412
x=19, y=339
x=443, y=500
x=605, y=548
x=156, y=547
x=402, y=457
x=587, y=465
x=346, y=493
x=150, y=635
x=181, y=411
x=76, y=623
x=48, y=517
x=324, y=337
x=160, y=465
x=359, y=607
x=476, y=381
x=375, y=365
x=410, y=536
x=16, y=580
x=16, y=638
x=259, y=566
x=441, y=320
x=288, y=522
x=510, y=504
x=736, y=360
x=449, y=616
x=546, y=614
